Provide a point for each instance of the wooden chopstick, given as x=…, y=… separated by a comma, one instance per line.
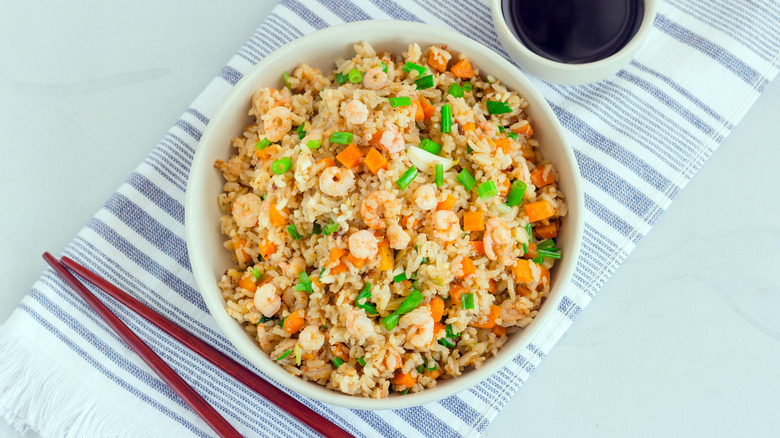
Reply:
x=221, y=361
x=155, y=362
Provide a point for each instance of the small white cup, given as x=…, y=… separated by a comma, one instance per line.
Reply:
x=570, y=74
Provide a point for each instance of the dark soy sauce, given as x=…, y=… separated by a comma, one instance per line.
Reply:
x=574, y=31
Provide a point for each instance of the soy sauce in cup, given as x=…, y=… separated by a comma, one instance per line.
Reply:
x=574, y=31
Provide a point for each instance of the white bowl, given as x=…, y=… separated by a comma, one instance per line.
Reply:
x=570, y=74
x=209, y=258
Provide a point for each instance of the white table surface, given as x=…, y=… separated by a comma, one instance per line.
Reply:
x=682, y=341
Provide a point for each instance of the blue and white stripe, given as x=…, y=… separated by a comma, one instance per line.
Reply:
x=638, y=136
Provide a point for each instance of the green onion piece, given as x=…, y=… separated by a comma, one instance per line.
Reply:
x=448, y=329
x=435, y=366
x=468, y=149
x=256, y=273
x=406, y=179
x=410, y=303
x=409, y=66
x=341, y=137
x=431, y=146
x=525, y=248
x=545, y=244
x=447, y=342
x=399, y=278
x=286, y=77
x=282, y=165
x=355, y=76
x=298, y=350
x=467, y=86
x=465, y=178
x=262, y=144
x=395, y=102
x=264, y=319
x=420, y=369
x=294, y=232
x=455, y=90
x=362, y=361
x=384, y=66
x=424, y=261
x=314, y=144
x=316, y=228
x=511, y=135
x=330, y=228
x=302, y=287
x=530, y=232
x=439, y=175
x=487, y=190
x=516, y=192
x=496, y=107
x=538, y=259
x=364, y=295
x=501, y=129
x=304, y=277
x=446, y=118
x=281, y=322
x=341, y=78
x=369, y=308
x=365, y=292
x=390, y=321
x=546, y=253
x=338, y=362
x=285, y=354
x=406, y=391
x=417, y=284
x=424, y=82
x=467, y=301
x=301, y=133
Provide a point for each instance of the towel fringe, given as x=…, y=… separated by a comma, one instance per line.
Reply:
x=38, y=395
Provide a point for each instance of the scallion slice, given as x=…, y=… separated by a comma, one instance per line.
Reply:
x=400, y=277
x=285, y=354
x=362, y=300
x=293, y=232
x=467, y=301
x=341, y=137
x=262, y=144
x=330, y=228
x=439, y=175
x=424, y=82
x=525, y=248
x=314, y=144
x=406, y=179
x=424, y=261
x=395, y=102
x=516, y=192
x=362, y=361
x=511, y=135
x=446, y=118
x=497, y=107
x=384, y=66
x=338, y=362
x=286, y=76
x=529, y=230
x=546, y=253
x=316, y=228
x=355, y=76
x=448, y=329
x=429, y=145
x=256, y=273
x=301, y=133
x=447, y=342
x=546, y=244
x=409, y=66
x=465, y=178
x=282, y=165
x=410, y=303
x=467, y=86
x=455, y=90
x=420, y=369
x=487, y=190
x=264, y=319
x=390, y=321
x=341, y=78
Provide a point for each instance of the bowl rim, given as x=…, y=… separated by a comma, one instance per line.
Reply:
x=232, y=330
x=571, y=74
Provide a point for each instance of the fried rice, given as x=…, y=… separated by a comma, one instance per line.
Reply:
x=392, y=221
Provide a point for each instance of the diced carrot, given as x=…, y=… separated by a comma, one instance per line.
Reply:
x=545, y=274
x=498, y=330
x=466, y=267
x=462, y=69
x=448, y=203
x=456, y=291
x=315, y=279
x=503, y=188
x=531, y=253
x=375, y=161
x=523, y=291
x=293, y=322
x=504, y=144
x=338, y=269
x=490, y=318
x=404, y=379
x=336, y=254
x=433, y=374
x=418, y=112
x=437, y=308
x=266, y=152
x=329, y=161
x=386, y=260
x=537, y=211
x=356, y=262
x=523, y=273
x=542, y=176
x=276, y=217
x=548, y=231
x=527, y=151
x=247, y=282
x=241, y=255
x=525, y=130
x=408, y=221
x=428, y=109
x=339, y=350
x=478, y=247
x=469, y=126
x=375, y=139
x=266, y=247
x=437, y=61
x=437, y=327
x=492, y=286
x=350, y=156
x=473, y=221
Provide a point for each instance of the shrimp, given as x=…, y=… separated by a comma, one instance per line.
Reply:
x=246, y=210
x=311, y=339
x=358, y=324
x=232, y=169
x=496, y=239
x=488, y=128
x=293, y=267
x=376, y=203
x=392, y=360
x=276, y=123
x=356, y=112
x=425, y=197
x=398, y=238
x=391, y=139
x=336, y=181
x=267, y=301
x=375, y=78
x=419, y=327
x=295, y=299
x=266, y=338
x=363, y=245
x=446, y=225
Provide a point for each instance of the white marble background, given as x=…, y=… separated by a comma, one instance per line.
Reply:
x=682, y=341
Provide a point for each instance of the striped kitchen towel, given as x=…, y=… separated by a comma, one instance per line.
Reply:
x=639, y=136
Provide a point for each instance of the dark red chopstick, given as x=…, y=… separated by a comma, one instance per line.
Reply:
x=221, y=361
x=155, y=362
